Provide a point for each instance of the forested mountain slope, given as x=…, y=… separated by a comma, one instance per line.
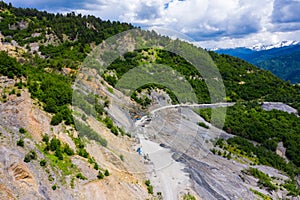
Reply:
x=70, y=146
x=283, y=62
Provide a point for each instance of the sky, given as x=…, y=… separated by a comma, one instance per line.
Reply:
x=208, y=23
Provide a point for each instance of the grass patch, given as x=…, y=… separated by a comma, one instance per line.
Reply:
x=202, y=124
x=65, y=166
x=291, y=186
x=263, y=196
x=188, y=196
x=239, y=155
x=110, y=90
x=264, y=179
x=61, y=165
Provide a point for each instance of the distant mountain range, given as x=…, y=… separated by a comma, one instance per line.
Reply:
x=261, y=47
x=282, y=59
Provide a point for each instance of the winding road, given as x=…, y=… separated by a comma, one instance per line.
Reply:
x=213, y=105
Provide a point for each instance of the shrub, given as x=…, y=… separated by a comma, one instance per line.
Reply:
x=22, y=130
x=91, y=160
x=147, y=182
x=150, y=189
x=13, y=91
x=214, y=151
x=84, y=117
x=96, y=167
x=46, y=149
x=188, y=196
x=20, y=143
x=56, y=119
x=121, y=130
x=106, y=103
x=108, y=122
x=43, y=163
x=122, y=157
x=45, y=139
x=106, y=173
x=68, y=150
x=59, y=154
x=83, y=153
x=54, y=144
x=100, y=175
x=80, y=176
x=99, y=109
x=114, y=130
x=202, y=124
x=54, y=187
x=30, y=156
x=19, y=85
x=72, y=183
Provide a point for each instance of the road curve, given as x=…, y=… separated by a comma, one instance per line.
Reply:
x=212, y=105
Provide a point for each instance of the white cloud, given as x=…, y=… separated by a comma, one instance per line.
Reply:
x=286, y=11
x=199, y=19
x=243, y=21
x=220, y=18
x=266, y=38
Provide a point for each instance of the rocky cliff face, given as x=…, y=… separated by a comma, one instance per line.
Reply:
x=30, y=180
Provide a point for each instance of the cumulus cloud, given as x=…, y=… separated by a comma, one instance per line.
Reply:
x=286, y=11
x=197, y=18
x=266, y=38
x=285, y=15
x=203, y=20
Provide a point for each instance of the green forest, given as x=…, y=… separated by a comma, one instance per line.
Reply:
x=283, y=66
x=244, y=81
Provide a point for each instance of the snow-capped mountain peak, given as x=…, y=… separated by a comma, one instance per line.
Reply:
x=260, y=47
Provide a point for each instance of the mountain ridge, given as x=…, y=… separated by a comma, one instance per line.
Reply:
x=282, y=61
x=261, y=47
